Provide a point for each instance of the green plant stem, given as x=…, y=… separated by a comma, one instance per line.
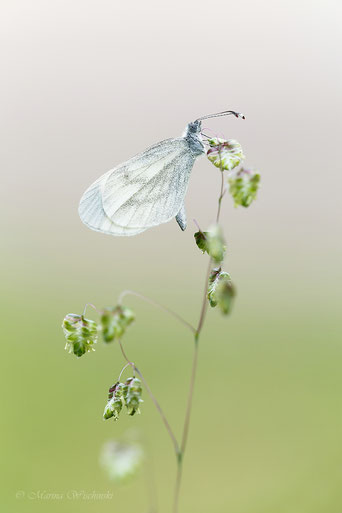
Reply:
x=157, y=305
x=220, y=198
x=194, y=370
x=124, y=368
x=154, y=400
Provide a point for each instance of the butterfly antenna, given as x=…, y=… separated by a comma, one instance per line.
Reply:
x=224, y=113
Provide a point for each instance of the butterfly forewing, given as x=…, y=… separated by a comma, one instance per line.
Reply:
x=149, y=189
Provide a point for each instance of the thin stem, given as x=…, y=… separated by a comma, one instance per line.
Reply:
x=194, y=362
x=124, y=354
x=194, y=369
x=89, y=304
x=154, y=400
x=157, y=405
x=198, y=226
x=204, y=302
x=191, y=390
x=220, y=198
x=157, y=305
x=125, y=367
x=177, y=485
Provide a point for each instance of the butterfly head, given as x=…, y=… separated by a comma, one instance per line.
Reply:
x=194, y=128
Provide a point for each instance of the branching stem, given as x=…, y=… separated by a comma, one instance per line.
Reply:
x=194, y=369
x=157, y=305
x=154, y=400
x=179, y=449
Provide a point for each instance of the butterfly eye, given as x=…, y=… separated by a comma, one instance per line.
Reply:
x=195, y=127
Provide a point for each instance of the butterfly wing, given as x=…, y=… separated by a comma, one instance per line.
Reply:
x=92, y=214
x=148, y=189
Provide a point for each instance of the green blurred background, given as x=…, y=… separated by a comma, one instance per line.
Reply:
x=85, y=86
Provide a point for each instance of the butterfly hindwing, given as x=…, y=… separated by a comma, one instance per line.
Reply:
x=92, y=214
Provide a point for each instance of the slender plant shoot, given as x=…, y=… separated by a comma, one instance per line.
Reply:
x=119, y=204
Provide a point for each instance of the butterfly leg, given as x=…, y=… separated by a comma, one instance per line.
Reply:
x=181, y=218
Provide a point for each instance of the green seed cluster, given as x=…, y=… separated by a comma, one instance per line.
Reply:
x=228, y=155
x=115, y=321
x=126, y=394
x=212, y=242
x=221, y=290
x=115, y=402
x=225, y=154
x=80, y=333
x=132, y=394
x=244, y=187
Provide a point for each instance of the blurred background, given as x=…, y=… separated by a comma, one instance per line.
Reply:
x=85, y=85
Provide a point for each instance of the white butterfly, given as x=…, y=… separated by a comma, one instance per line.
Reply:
x=147, y=190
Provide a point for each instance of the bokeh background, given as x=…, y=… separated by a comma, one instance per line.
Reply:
x=85, y=85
